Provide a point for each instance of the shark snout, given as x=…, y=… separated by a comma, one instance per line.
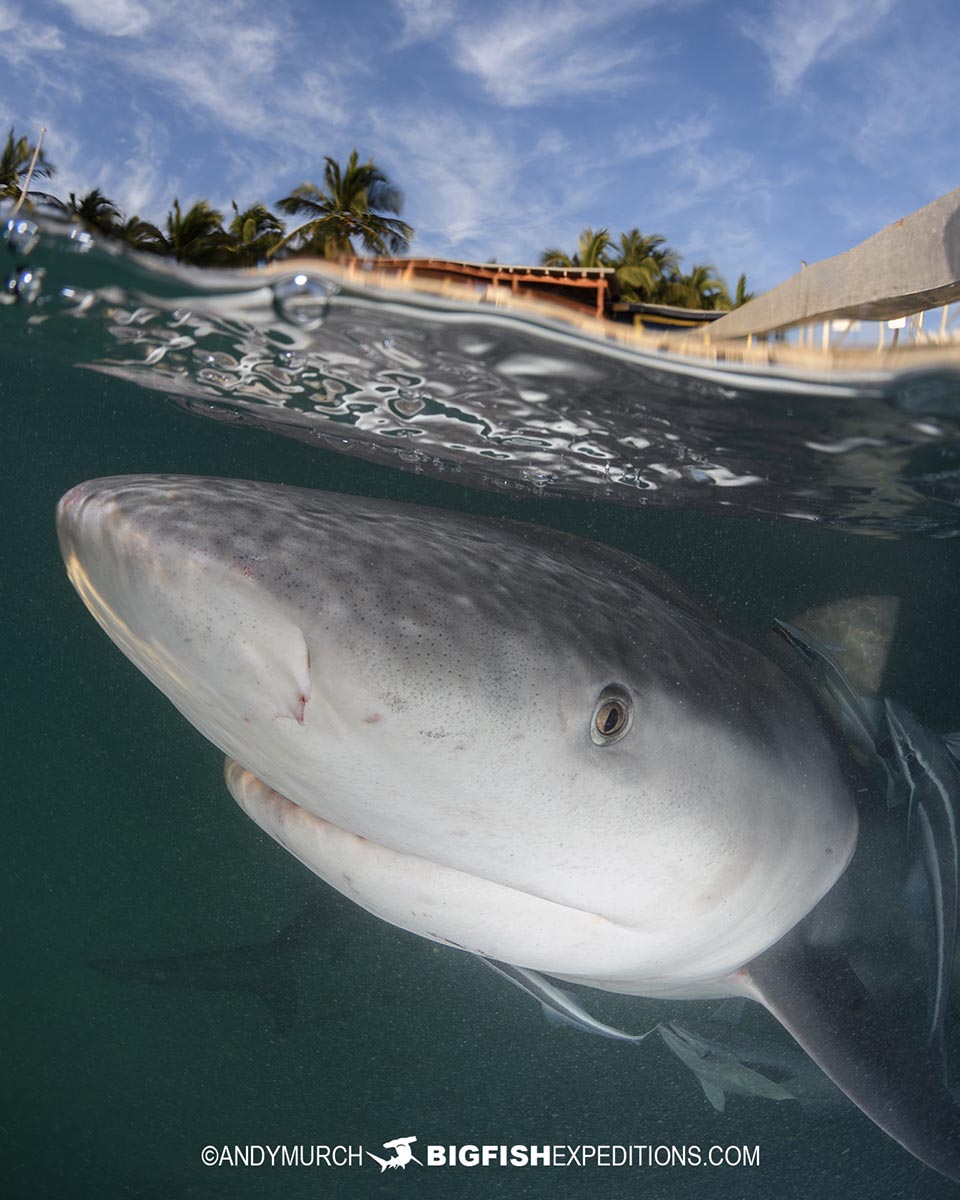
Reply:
x=168, y=584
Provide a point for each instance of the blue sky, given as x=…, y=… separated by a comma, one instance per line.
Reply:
x=752, y=134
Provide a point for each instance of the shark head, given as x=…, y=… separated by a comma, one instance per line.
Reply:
x=502, y=738
x=518, y=722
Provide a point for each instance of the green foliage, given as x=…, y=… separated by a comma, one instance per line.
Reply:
x=700, y=287
x=353, y=206
x=141, y=235
x=591, y=251
x=356, y=208
x=14, y=166
x=95, y=211
x=197, y=236
x=742, y=296
x=648, y=270
x=255, y=232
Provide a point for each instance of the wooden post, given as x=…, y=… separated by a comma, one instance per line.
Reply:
x=26, y=182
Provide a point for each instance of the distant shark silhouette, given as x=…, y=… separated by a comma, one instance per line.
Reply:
x=267, y=969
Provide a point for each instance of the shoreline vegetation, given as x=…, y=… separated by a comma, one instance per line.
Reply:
x=355, y=211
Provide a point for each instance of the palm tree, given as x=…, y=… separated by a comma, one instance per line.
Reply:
x=141, y=235
x=15, y=162
x=742, y=296
x=591, y=251
x=643, y=263
x=353, y=206
x=197, y=236
x=254, y=233
x=95, y=211
x=700, y=287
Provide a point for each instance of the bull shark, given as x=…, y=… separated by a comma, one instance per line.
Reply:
x=513, y=742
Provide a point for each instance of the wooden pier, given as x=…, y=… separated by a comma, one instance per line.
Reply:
x=909, y=267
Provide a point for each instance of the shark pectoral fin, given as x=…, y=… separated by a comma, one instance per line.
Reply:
x=716, y=1095
x=819, y=1000
x=560, y=1007
x=860, y=631
x=559, y=1020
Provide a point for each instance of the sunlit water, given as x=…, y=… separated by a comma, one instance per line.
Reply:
x=122, y=843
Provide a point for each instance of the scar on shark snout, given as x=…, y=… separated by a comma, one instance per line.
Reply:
x=297, y=710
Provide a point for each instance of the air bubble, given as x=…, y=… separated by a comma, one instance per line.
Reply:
x=25, y=284
x=217, y=359
x=537, y=476
x=215, y=377
x=83, y=242
x=304, y=300
x=22, y=235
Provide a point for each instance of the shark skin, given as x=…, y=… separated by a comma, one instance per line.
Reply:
x=511, y=741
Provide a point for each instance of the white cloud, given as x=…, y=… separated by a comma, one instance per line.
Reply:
x=737, y=243
x=22, y=40
x=113, y=18
x=213, y=63
x=795, y=35
x=135, y=176
x=642, y=141
x=452, y=198
x=540, y=52
x=423, y=20
x=906, y=115
x=552, y=142
x=491, y=197
x=227, y=63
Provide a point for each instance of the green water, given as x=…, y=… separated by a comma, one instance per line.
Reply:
x=121, y=842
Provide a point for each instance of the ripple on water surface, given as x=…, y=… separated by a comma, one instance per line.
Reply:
x=460, y=388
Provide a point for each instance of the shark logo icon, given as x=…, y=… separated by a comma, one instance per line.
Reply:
x=402, y=1154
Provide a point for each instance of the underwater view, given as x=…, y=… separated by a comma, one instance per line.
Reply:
x=182, y=996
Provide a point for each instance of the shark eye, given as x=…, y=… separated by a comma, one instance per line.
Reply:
x=611, y=716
